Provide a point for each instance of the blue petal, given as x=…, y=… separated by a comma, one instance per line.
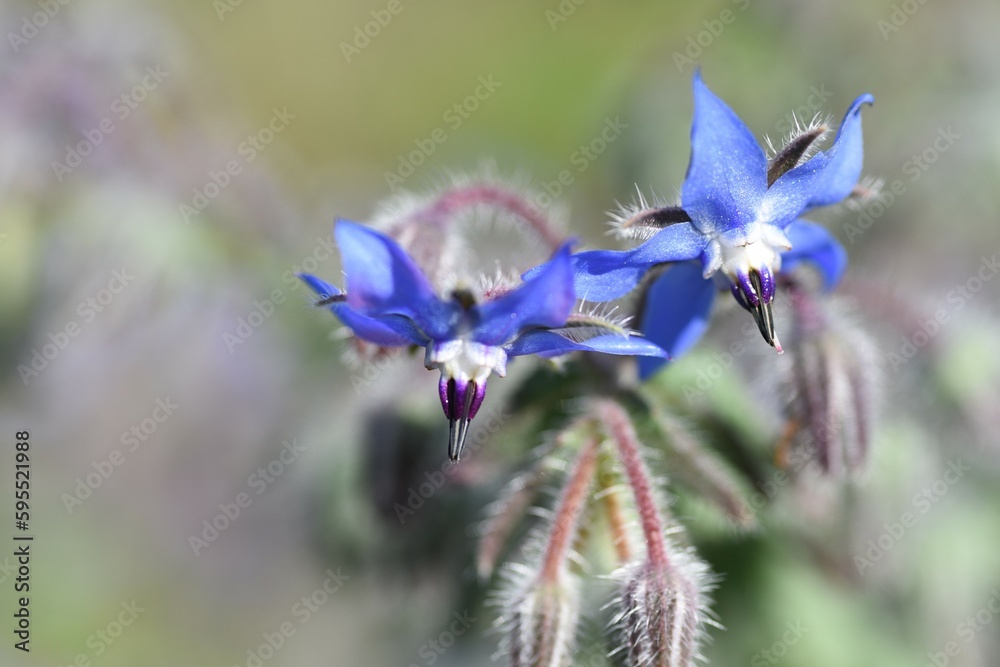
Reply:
x=676, y=312
x=551, y=344
x=545, y=300
x=602, y=275
x=389, y=330
x=813, y=243
x=727, y=175
x=383, y=280
x=322, y=288
x=827, y=178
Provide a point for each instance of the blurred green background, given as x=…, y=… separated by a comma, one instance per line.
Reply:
x=203, y=314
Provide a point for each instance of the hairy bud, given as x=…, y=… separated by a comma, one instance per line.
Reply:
x=832, y=382
x=542, y=608
x=662, y=611
x=542, y=626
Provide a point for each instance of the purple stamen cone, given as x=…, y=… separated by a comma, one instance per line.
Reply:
x=461, y=400
x=755, y=292
x=747, y=290
x=766, y=284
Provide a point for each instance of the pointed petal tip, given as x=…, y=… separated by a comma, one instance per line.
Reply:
x=561, y=260
x=345, y=226
x=864, y=98
x=318, y=285
x=356, y=237
x=568, y=245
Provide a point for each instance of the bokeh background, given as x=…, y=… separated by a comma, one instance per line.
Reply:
x=170, y=92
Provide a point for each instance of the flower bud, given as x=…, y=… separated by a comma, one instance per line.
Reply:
x=832, y=383
x=662, y=611
x=542, y=626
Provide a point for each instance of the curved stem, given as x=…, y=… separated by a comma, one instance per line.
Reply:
x=619, y=427
x=568, y=513
x=441, y=210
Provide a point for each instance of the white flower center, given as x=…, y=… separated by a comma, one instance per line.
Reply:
x=466, y=360
x=758, y=250
x=739, y=260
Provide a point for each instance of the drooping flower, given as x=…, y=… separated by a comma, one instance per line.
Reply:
x=736, y=227
x=390, y=302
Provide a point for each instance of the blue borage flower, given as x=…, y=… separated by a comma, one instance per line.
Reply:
x=738, y=221
x=390, y=302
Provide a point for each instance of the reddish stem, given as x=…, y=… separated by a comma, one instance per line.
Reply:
x=568, y=513
x=444, y=207
x=619, y=427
